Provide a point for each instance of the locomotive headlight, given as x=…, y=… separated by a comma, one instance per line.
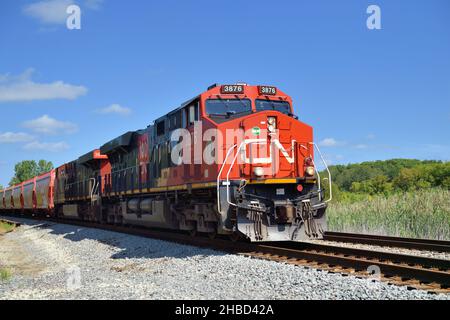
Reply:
x=272, y=124
x=258, y=171
x=271, y=120
x=309, y=171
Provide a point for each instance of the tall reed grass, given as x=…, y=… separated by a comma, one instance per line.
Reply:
x=420, y=214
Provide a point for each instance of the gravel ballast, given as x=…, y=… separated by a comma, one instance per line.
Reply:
x=58, y=261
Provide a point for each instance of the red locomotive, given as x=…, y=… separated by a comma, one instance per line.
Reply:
x=233, y=160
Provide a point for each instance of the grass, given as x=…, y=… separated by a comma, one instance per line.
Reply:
x=420, y=214
x=5, y=274
x=5, y=227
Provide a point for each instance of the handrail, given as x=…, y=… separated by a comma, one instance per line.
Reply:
x=250, y=141
x=220, y=173
x=243, y=144
x=319, y=185
x=326, y=167
x=229, y=171
x=94, y=187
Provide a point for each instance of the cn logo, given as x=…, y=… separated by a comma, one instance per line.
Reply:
x=276, y=147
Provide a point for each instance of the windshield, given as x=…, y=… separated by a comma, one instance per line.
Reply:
x=224, y=109
x=282, y=106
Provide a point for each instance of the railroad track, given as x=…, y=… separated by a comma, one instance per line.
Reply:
x=416, y=272
x=385, y=241
x=413, y=271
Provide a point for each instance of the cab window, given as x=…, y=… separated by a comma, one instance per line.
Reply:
x=191, y=113
x=265, y=105
x=221, y=110
x=175, y=121
x=160, y=128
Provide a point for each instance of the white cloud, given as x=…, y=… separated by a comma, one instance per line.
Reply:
x=22, y=88
x=330, y=159
x=54, y=11
x=329, y=142
x=115, y=108
x=48, y=11
x=361, y=146
x=46, y=146
x=48, y=125
x=14, y=137
x=371, y=136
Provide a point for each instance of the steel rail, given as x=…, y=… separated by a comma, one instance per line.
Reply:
x=431, y=279
x=397, y=258
x=386, y=241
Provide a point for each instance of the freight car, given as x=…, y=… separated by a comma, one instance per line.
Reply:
x=234, y=161
x=31, y=196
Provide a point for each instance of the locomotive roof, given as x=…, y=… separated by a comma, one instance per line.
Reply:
x=184, y=104
x=90, y=156
x=120, y=142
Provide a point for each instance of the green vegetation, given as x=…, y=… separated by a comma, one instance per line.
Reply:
x=28, y=169
x=354, y=182
x=420, y=214
x=399, y=197
x=5, y=274
x=5, y=227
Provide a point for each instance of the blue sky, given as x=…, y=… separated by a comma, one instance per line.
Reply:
x=369, y=94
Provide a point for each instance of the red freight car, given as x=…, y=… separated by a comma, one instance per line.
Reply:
x=17, y=199
x=44, y=194
x=31, y=196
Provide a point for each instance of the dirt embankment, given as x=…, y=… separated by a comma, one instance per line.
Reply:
x=16, y=255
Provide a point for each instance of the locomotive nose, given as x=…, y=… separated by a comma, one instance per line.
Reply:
x=270, y=146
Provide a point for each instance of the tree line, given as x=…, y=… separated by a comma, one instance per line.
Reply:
x=28, y=169
x=388, y=177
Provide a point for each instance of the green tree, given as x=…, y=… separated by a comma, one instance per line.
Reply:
x=356, y=187
x=28, y=169
x=389, y=176
x=446, y=183
x=1, y=187
x=381, y=184
x=44, y=166
x=406, y=180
